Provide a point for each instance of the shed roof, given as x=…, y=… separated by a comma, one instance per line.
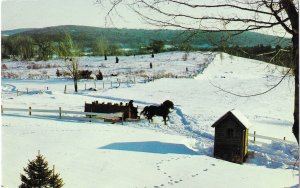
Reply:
x=238, y=115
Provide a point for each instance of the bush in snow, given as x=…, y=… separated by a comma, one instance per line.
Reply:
x=34, y=66
x=85, y=74
x=66, y=74
x=38, y=174
x=99, y=76
x=4, y=66
x=9, y=75
x=58, y=74
x=185, y=56
x=48, y=66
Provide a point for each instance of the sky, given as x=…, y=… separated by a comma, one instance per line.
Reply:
x=44, y=13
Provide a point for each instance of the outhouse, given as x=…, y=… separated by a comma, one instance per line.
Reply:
x=231, y=137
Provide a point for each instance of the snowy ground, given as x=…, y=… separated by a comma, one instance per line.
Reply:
x=141, y=154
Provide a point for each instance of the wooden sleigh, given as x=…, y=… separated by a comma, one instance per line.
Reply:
x=118, y=112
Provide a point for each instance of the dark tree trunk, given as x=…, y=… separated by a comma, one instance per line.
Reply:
x=296, y=72
x=293, y=15
x=75, y=84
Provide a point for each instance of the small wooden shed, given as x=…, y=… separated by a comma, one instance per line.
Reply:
x=231, y=137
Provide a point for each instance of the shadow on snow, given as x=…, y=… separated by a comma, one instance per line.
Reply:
x=151, y=147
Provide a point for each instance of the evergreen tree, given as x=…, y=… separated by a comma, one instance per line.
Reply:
x=39, y=175
x=55, y=181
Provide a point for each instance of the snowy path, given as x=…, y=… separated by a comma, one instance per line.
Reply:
x=153, y=155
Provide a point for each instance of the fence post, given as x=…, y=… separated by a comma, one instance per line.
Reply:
x=1, y=109
x=17, y=92
x=30, y=110
x=65, y=89
x=103, y=84
x=283, y=138
x=60, y=112
x=95, y=85
x=47, y=88
x=27, y=90
x=134, y=79
x=254, y=136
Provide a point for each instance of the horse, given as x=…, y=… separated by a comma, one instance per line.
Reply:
x=162, y=110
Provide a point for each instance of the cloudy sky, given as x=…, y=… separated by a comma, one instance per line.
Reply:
x=41, y=13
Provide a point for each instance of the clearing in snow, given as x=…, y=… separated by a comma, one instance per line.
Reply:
x=143, y=154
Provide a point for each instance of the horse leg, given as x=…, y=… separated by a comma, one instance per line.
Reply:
x=165, y=119
x=149, y=117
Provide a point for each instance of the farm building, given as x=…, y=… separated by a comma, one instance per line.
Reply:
x=231, y=137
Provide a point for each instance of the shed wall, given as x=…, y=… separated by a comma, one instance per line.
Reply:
x=230, y=147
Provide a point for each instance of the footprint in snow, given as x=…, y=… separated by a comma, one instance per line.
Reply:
x=205, y=170
x=213, y=165
x=170, y=183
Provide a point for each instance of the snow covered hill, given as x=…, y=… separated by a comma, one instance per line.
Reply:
x=142, y=154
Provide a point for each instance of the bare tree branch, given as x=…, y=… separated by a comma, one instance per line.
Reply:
x=251, y=95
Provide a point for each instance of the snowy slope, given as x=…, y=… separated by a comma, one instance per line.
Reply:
x=150, y=154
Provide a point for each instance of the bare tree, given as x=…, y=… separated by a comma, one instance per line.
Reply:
x=72, y=66
x=69, y=52
x=234, y=16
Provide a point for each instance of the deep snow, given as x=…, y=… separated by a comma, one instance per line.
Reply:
x=153, y=155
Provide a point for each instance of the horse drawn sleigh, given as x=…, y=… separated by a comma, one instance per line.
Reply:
x=129, y=112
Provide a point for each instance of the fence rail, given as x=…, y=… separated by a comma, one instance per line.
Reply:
x=268, y=138
x=86, y=116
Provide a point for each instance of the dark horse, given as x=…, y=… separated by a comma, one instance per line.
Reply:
x=162, y=110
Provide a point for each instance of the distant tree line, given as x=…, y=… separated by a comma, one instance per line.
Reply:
x=44, y=47
x=41, y=47
x=275, y=55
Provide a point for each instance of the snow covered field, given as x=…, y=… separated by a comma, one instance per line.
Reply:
x=142, y=154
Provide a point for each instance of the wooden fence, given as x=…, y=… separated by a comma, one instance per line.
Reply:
x=99, y=117
x=261, y=137
x=65, y=114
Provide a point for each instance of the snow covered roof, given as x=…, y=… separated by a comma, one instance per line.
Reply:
x=238, y=115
